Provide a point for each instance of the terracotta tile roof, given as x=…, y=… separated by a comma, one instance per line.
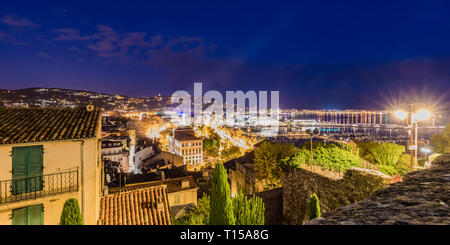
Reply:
x=146, y=206
x=38, y=125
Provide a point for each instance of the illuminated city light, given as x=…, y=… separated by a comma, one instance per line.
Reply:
x=402, y=115
x=421, y=115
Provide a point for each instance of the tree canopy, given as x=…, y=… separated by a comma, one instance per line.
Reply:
x=441, y=142
x=267, y=160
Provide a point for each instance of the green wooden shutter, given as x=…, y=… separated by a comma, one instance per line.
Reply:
x=32, y=215
x=19, y=170
x=35, y=215
x=34, y=168
x=19, y=216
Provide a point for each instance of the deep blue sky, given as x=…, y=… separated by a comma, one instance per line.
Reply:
x=318, y=54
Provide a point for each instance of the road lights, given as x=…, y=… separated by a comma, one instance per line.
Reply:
x=402, y=115
x=414, y=117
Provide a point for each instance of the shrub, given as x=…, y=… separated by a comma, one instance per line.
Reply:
x=314, y=207
x=198, y=215
x=71, y=214
x=248, y=211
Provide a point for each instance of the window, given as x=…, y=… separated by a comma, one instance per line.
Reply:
x=31, y=215
x=27, y=169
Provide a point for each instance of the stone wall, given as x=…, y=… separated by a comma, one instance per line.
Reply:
x=333, y=189
x=273, y=204
x=422, y=198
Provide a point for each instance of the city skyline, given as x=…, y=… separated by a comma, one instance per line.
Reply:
x=332, y=56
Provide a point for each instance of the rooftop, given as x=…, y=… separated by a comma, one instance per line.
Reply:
x=38, y=125
x=144, y=206
x=185, y=134
x=173, y=185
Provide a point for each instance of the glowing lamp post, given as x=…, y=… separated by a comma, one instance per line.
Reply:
x=419, y=115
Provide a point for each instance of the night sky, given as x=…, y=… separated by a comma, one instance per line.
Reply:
x=318, y=54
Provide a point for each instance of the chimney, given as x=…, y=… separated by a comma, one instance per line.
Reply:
x=185, y=183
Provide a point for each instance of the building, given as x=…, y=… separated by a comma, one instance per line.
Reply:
x=46, y=157
x=242, y=175
x=143, y=153
x=162, y=160
x=112, y=150
x=184, y=143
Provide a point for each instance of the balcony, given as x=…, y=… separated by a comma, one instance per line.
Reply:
x=38, y=186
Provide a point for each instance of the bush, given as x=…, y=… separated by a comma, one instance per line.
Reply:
x=248, y=211
x=314, y=207
x=71, y=214
x=198, y=215
x=388, y=157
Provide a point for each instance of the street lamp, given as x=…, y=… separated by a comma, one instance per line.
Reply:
x=311, y=134
x=415, y=117
x=402, y=115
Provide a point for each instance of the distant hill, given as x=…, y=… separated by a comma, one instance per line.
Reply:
x=56, y=97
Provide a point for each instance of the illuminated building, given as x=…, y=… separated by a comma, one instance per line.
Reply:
x=184, y=143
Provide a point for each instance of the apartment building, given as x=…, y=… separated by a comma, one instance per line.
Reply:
x=184, y=143
x=46, y=157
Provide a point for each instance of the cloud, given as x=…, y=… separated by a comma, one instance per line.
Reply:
x=69, y=34
x=17, y=21
x=123, y=47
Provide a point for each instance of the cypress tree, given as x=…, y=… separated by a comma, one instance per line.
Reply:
x=71, y=214
x=221, y=206
x=314, y=208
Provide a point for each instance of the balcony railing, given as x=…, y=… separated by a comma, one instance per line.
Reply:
x=32, y=187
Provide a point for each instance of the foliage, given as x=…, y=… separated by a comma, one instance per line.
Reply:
x=231, y=152
x=314, y=207
x=387, y=153
x=403, y=165
x=365, y=150
x=211, y=146
x=198, y=215
x=71, y=214
x=267, y=160
x=388, y=157
x=328, y=156
x=248, y=211
x=296, y=160
x=441, y=142
x=221, y=205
